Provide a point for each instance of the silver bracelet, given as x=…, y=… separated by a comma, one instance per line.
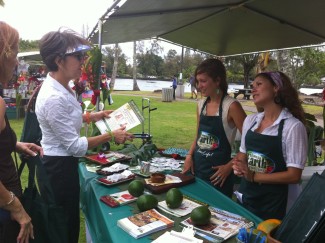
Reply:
x=11, y=199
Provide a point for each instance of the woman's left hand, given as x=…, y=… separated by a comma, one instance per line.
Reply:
x=29, y=149
x=221, y=174
x=96, y=116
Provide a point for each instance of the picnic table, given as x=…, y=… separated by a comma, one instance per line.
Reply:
x=246, y=92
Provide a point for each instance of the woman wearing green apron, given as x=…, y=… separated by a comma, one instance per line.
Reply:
x=273, y=148
x=218, y=118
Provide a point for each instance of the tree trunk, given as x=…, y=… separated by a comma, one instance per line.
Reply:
x=135, y=84
x=284, y=64
x=246, y=76
x=114, y=71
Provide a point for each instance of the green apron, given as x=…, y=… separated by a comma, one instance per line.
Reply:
x=212, y=149
x=264, y=155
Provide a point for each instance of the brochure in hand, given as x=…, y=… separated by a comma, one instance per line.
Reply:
x=127, y=115
x=145, y=223
x=222, y=226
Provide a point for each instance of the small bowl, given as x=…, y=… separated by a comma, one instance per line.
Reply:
x=157, y=177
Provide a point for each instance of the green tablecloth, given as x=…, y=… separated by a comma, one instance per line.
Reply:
x=101, y=219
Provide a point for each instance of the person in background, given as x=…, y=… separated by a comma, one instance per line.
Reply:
x=60, y=117
x=15, y=223
x=174, y=85
x=273, y=148
x=193, y=88
x=218, y=118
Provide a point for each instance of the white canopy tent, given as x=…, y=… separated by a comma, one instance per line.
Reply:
x=220, y=27
x=31, y=57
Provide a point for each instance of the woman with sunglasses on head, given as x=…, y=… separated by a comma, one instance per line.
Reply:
x=15, y=223
x=273, y=148
x=60, y=117
x=218, y=118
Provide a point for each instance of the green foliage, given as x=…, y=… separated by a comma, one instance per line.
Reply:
x=308, y=65
x=108, y=57
x=28, y=45
x=150, y=64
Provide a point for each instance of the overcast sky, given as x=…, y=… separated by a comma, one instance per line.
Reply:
x=34, y=18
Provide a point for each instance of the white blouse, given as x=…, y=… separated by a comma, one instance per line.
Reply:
x=294, y=143
x=294, y=137
x=60, y=117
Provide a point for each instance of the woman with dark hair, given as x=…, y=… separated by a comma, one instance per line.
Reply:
x=218, y=118
x=60, y=117
x=15, y=223
x=273, y=148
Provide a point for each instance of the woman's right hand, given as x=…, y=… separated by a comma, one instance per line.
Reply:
x=240, y=167
x=121, y=135
x=188, y=164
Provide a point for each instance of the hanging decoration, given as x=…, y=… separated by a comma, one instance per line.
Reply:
x=91, y=71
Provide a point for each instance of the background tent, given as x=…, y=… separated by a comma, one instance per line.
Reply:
x=220, y=27
x=31, y=57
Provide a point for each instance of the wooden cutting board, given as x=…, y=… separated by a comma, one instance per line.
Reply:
x=186, y=179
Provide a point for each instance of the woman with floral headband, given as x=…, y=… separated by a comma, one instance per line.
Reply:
x=60, y=117
x=273, y=148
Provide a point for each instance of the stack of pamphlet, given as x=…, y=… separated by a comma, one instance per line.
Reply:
x=145, y=223
x=222, y=226
x=118, y=198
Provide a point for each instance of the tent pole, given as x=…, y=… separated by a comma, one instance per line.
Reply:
x=100, y=28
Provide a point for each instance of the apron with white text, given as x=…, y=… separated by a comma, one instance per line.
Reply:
x=264, y=155
x=212, y=149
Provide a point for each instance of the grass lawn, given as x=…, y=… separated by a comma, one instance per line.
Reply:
x=173, y=124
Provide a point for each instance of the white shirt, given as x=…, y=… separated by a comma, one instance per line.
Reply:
x=294, y=137
x=60, y=117
x=294, y=143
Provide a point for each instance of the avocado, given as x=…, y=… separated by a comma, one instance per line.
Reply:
x=136, y=188
x=200, y=215
x=174, y=198
x=146, y=202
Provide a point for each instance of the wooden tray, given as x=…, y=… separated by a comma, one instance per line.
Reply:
x=109, y=183
x=186, y=179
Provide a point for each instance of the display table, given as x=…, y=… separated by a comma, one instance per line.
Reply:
x=102, y=219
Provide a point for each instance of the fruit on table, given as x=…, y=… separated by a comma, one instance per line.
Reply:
x=136, y=188
x=268, y=225
x=174, y=198
x=146, y=202
x=200, y=215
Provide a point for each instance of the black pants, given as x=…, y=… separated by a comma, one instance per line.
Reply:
x=62, y=172
x=174, y=93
